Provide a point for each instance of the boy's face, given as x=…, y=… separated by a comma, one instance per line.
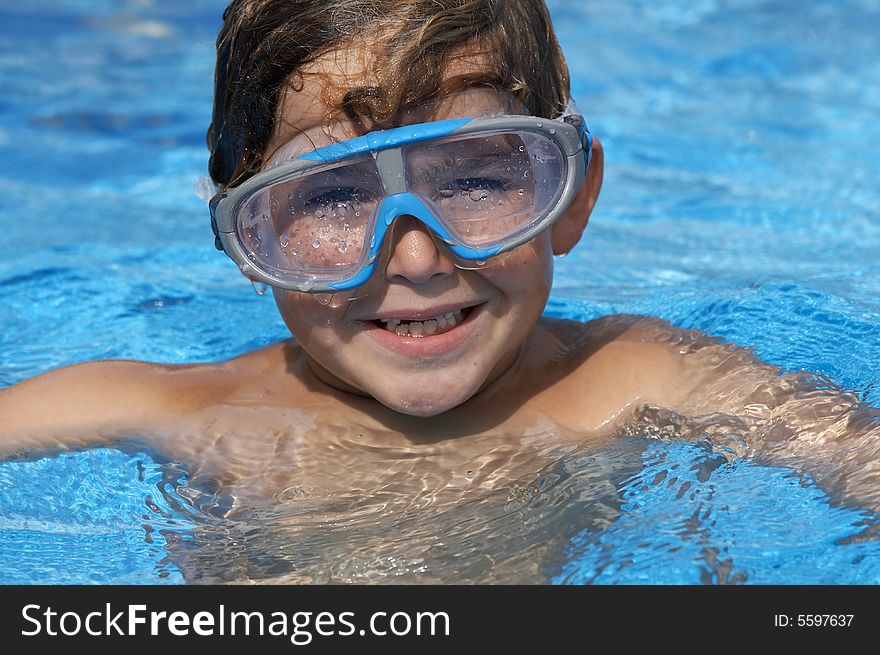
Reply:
x=473, y=317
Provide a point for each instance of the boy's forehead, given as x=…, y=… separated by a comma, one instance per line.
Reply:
x=313, y=98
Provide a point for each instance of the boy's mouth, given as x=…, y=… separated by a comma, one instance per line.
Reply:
x=426, y=336
x=424, y=328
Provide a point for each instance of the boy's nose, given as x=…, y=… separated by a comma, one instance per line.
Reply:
x=414, y=253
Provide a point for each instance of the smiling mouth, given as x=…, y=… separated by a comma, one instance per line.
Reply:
x=430, y=327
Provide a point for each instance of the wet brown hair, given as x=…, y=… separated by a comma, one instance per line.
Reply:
x=263, y=45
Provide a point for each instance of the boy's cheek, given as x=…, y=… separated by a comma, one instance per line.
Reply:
x=524, y=271
x=304, y=313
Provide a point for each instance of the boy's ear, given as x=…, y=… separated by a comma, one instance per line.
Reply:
x=567, y=229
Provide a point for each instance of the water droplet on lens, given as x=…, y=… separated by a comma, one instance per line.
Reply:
x=346, y=227
x=357, y=213
x=540, y=124
x=520, y=192
x=259, y=287
x=316, y=243
x=478, y=194
x=342, y=247
x=552, y=131
x=283, y=240
x=470, y=475
x=324, y=298
x=244, y=268
x=522, y=148
x=305, y=285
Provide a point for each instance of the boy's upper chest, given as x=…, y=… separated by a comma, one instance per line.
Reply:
x=268, y=428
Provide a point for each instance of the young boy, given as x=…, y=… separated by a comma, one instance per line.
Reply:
x=412, y=267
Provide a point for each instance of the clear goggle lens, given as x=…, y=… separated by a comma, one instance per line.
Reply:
x=483, y=189
x=488, y=188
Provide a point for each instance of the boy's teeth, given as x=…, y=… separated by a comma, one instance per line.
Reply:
x=429, y=327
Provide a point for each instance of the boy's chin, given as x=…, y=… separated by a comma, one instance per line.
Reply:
x=422, y=405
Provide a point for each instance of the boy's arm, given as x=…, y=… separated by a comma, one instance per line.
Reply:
x=830, y=434
x=82, y=405
x=798, y=420
x=686, y=384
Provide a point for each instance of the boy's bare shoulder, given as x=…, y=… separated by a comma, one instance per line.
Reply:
x=613, y=364
x=620, y=337
x=624, y=361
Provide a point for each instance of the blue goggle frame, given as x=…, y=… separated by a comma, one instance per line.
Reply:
x=568, y=131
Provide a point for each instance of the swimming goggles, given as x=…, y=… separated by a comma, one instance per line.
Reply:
x=482, y=185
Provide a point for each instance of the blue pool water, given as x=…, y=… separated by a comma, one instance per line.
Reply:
x=740, y=199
